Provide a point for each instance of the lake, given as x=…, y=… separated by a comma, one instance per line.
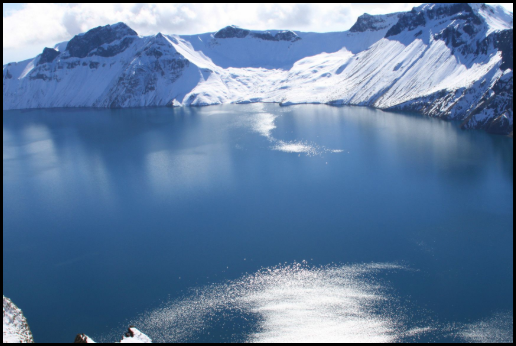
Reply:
x=257, y=223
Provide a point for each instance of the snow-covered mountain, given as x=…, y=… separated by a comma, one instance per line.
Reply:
x=452, y=61
x=16, y=329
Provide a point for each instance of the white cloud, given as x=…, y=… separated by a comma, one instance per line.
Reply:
x=28, y=29
x=53, y=22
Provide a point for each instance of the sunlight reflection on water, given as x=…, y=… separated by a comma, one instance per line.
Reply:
x=291, y=304
x=263, y=123
x=303, y=303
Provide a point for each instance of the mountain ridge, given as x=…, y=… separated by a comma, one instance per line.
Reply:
x=452, y=61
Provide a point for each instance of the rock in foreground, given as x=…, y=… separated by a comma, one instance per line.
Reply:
x=16, y=329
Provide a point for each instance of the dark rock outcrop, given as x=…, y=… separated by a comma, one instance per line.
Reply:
x=231, y=32
x=368, y=22
x=452, y=36
x=48, y=55
x=235, y=32
x=504, y=42
x=490, y=109
x=39, y=76
x=81, y=45
x=81, y=339
x=280, y=36
x=500, y=102
x=416, y=18
x=7, y=74
x=140, y=80
x=408, y=21
x=113, y=49
x=462, y=10
x=287, y=36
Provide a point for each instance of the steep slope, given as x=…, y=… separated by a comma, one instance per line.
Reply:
x=480, y=39
x=16, y=329
x=443, y=60
x=452, y=61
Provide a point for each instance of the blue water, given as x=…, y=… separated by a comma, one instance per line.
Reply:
x=112, y=215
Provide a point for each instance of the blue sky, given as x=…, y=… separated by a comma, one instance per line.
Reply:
x=11, y=7
x=28, y=28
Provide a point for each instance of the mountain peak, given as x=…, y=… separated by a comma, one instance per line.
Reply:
x=493, y=15
x=473, y=18
x=82, y=44
x=421, y=15
x=374, y=23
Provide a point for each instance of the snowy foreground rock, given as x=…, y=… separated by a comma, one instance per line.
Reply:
x=132, y=336
x=16, y=329
x=453, y=61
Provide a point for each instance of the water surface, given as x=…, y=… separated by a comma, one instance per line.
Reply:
x=176, y=219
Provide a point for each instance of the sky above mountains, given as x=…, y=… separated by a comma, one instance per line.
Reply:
x=28, y=28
